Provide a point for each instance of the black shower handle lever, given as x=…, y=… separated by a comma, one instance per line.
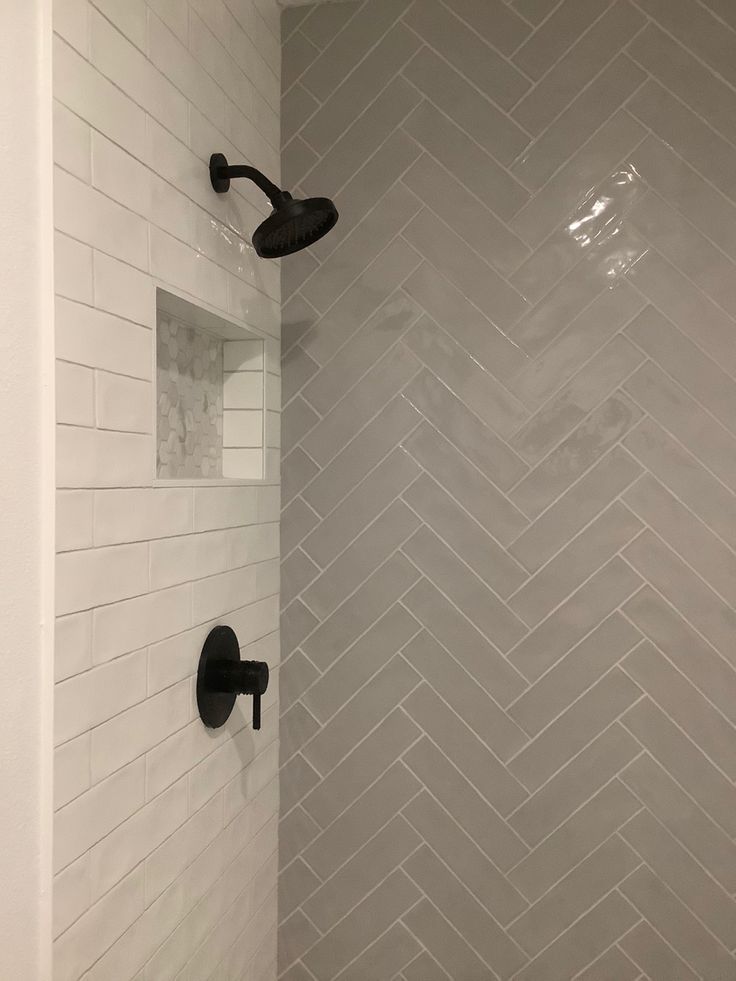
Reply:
x=222, y=676
x=242, y=678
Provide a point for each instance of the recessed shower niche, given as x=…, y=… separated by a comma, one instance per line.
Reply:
x=209, y=395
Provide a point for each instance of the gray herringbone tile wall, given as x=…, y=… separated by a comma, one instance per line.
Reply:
x=509, y=492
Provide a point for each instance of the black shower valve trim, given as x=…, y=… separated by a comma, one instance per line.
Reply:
x=222, y=676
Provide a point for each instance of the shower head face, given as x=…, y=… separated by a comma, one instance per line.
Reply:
x=294, y=225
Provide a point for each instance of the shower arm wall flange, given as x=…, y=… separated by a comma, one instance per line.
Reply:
x=221, y=173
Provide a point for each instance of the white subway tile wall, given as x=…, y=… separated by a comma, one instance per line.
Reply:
x=165, y=833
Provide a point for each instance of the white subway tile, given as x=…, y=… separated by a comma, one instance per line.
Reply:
x=272, y=469
x=270, y=11
x=220, y=243
x=267, y=579
x=71, y=21
x=197, y=918
x=273, y=393
x=75, y=394
x=135, y=623
x=74, y=515
x=133, y=194
x=256, y=813
x=128, y=17
x=215, y=58
x=269, y=503
x=202, y=881
x=240, y=889
x=71, y=894
x=244, y=200
x=72, y=142
x=273, y=356
x=217, y=769
x=273, y=430
x=102, y=458
x=256, y=949
x=242, y=428
x=218, y=595
x=135, y=731
x=170, y=209
x=242, y=464
x=253, y=306
x=72, y=269
x=250, y=782
x=120, y=176
x=81, y=824
x=138, y=943
x=136, y=838
x=90, y=216
x=175, y=163
x=91, y=337
x=175, y=658
x=138, y=514
x=72, y=645
x=92, y=97
x=182, y=266
x=255, y=543
x=71, y=770
x=224, y=507
x=174, y=14
x=176, y=560
x=243, y=390
x=88, y=699
x=254, y=26
x=243, y=355
x=263, y=76
x=266, y=649
x=123, y=290
x=129, y=68
x=92, y=577
x=189, y=557
x=256, y=765
x=170, y=55
x=123, y=403
x=244, y=134
x=256, y=109
x=255, y=621
x=87, y=939
x=171, y=858
x=249, y=863
x=175, y=756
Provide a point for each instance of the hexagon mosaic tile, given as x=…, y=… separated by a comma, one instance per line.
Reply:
x=189, y=368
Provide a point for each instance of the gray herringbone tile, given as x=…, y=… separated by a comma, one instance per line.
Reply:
x=509, y=529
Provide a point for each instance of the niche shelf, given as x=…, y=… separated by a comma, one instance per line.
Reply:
x=210, y=389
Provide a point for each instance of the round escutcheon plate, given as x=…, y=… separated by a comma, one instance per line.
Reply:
x=215, y=706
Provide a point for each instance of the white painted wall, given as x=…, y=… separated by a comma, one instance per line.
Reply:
x=26, y=489
x=165, y=834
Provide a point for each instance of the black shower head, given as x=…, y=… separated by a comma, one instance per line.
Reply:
x=292, y=225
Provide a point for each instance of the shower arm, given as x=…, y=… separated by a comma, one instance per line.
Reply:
x=221, y=172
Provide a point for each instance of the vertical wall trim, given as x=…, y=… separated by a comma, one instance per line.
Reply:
x=26, y=489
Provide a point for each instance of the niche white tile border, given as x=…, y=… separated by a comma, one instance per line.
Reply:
x=244, y=391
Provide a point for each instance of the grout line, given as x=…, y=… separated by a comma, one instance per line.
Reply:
x=506, y=57
x=667, y=657
x=600, y=69
x=690, y=50
x=545, y=840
